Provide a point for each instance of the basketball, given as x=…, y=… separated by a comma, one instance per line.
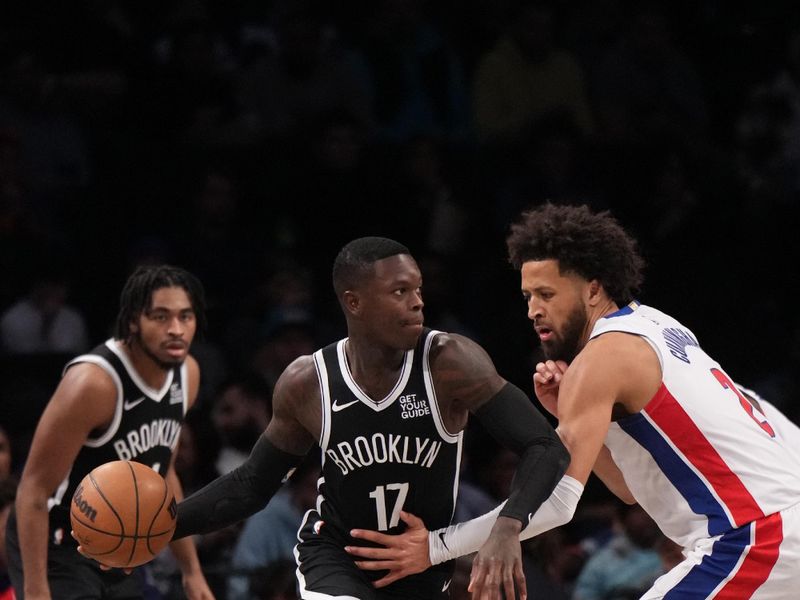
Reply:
x=123, y=514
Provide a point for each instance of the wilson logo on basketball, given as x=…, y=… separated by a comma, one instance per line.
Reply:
x=82, y=505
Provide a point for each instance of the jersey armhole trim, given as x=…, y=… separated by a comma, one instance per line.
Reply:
x=325, y=402
x=448, y=437
x=115, y=421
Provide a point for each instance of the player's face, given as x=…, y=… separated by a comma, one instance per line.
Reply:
x=166, y=329
x=556, y=307
x=392, y=302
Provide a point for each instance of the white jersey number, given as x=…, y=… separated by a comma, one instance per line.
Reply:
x=379, y=494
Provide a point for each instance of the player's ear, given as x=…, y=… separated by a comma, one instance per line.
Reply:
x=595, y=287
x=351, y=302
x=133, y=326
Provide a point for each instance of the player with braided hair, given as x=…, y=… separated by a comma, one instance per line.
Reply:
x=123, y=400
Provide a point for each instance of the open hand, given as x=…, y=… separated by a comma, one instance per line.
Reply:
x=402, y=554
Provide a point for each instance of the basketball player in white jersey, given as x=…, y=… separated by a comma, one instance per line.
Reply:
x=642, y=405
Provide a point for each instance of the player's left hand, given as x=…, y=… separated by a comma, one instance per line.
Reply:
x=497, y=567
x=196, y=587
x=402, y=555
x=101, y=565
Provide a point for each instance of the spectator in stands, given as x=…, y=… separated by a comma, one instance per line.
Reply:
x=526, y=77
x=43, y=321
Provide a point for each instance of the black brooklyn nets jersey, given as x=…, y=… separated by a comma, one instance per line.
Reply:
x=381, y=455
x=144, y=428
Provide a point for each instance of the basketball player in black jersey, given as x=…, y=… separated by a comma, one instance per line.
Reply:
x=387, y=406
x=124, y=400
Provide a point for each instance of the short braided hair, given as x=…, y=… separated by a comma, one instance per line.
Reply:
x=137, y=295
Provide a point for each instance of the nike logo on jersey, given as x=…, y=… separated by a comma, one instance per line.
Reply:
x=446, y=585
x=129, y=404
x=337, y=407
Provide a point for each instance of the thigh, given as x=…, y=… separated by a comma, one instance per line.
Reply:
x=72, y=576
x=68, y=575
x=783, y=580
x=325, y=577
x=326, y=572
x=119, y=586
x=758, y=561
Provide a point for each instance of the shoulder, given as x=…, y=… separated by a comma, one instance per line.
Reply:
x=619, y=365
x=296, y=411
x=462, y=370
x=616, y=352
x=88, y=378
x=192, y=367
x=300, y=371
x=87, y=394
x=454, y=345
x=298, y=383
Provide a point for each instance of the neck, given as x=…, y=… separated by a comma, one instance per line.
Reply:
x=373, y=367
x=372, y=357
x=151, y=372
x=602, y=309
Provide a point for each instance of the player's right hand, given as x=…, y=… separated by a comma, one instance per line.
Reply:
x=402, y=555
x=546, y=381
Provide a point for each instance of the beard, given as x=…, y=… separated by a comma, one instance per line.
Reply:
x=564, y=346
x=165, y=365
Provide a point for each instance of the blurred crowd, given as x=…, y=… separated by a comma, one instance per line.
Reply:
x=248, y=140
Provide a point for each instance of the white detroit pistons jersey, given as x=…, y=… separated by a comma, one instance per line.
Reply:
x=698, y=458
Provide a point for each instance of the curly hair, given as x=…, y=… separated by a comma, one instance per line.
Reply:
x=591, y=245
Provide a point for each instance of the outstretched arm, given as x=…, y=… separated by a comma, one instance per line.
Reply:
x=248, y=488
x=238, y=494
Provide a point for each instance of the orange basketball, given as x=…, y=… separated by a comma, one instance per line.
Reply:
x=123, y=514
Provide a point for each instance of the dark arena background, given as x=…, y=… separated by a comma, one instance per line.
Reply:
x=248, y=140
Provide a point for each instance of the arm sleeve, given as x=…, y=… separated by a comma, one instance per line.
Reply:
x=238, y=494
x=513, y=421
x=465, y=538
